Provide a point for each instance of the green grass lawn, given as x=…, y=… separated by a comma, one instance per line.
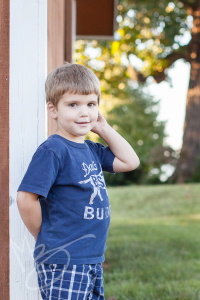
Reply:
x=153, y=246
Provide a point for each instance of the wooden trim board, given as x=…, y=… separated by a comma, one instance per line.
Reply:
x=4, y=148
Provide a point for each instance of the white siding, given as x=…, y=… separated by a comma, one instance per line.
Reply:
x=28, y=40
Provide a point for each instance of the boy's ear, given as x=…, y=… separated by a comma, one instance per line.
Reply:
x=52, y=112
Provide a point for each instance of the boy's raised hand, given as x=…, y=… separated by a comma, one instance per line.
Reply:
x=125, y=157
x=100, y=124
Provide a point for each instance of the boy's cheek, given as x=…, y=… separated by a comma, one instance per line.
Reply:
x=93, y=125
x=97, y=116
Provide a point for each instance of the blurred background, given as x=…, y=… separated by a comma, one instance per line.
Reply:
x=145, y=78
x=150, y=81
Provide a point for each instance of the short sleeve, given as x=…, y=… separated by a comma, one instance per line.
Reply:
x=41, y=173
x=105, y=155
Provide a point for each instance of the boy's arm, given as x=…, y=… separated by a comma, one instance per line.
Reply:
x=30, y=211
x=125, y=157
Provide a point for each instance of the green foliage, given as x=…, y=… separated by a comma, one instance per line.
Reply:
x=135, y=120
x=161, y=19
x=152, y=30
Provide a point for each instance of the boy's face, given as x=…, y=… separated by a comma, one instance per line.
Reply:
x=76, y=115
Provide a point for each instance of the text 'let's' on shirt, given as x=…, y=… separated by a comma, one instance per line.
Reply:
x=69, y=180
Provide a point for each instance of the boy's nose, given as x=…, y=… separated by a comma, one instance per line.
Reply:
x=84, y=112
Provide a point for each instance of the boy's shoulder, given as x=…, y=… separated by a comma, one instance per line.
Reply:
x=52, y=140
x=52, y=143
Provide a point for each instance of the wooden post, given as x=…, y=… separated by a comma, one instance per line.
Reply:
x=56, y=42
x=70, y=27
x=4, y=148
x=28, y=55
x=61, y=38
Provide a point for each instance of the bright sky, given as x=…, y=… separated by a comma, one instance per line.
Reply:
x=173, y=102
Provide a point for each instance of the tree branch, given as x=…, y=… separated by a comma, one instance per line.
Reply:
x=171, y=58
x=135, y=75
x=188, y=4
x=158, y=76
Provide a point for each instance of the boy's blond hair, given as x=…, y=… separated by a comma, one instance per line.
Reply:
x=71, y=78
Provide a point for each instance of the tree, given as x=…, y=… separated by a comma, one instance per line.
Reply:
x=159, y=26
x=153, y=31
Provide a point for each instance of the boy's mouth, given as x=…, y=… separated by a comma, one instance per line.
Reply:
x=82, y=123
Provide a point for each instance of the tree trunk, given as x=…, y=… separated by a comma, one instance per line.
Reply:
x=186, y=165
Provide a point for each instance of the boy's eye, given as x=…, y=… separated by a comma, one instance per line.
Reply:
x=72, y=104
x=91, y=104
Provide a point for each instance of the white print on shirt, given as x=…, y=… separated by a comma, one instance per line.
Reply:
x=89, y=168
x=97, y=181
x=101, y=213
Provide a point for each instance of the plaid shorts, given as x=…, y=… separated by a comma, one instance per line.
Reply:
x=76, y=282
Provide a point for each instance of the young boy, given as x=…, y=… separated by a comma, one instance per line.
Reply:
x=71, y=219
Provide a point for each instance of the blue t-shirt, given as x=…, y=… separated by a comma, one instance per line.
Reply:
x=69, y=180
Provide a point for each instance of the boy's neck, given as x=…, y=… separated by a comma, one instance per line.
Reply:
x=70, y=137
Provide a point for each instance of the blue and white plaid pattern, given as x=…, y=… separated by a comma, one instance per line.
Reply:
x=72, y=282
